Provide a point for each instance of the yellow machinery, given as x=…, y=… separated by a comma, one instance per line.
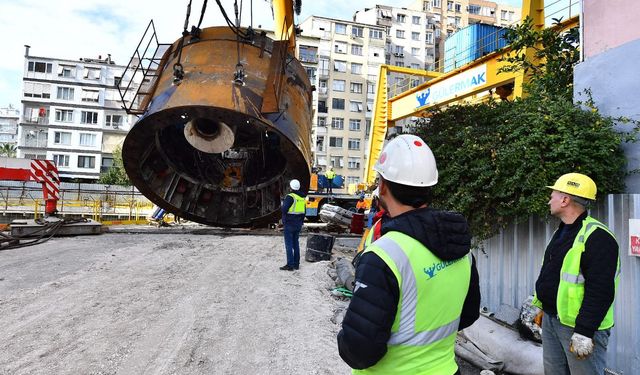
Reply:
x=443, y=89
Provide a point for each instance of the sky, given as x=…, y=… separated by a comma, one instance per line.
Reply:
x=70, y=29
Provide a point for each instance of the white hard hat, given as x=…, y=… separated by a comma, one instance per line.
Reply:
x=407, y=160
x=294, y=184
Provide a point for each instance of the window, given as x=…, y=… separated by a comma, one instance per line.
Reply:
x=399, y=63
x=457, y=22
x=458, y=8
x=367, y=128
x=429, y=38
x=341, y=28
x=415, y=36
x=337, y=123
x=66, y=71
x=357, y=31
x=311, y=73
x=322, y=121
x=337, y=103
x=337, y=162
x=353, y=180
x=65, y=93
x=354, y=124
x=87, y=139
x=354, y=163
x=401, y=18
x=340, y=47
x=436, y=3
x=354, y=143
x=308, y=54
x=64, y=115
x=86, y=161
x=323, y=65
x=335, y=141
x=320, y=143
x=375, y=34
x=113, y=120
x=474, y=9
x=503, y=15
x=451, y=20
x=415, y=82
x=338, y=84
x=91, y=73
x=356, y=68
x=415, y=52
x=415, y=66
x=356, y=88
x=450, y=5
x=89, y=117
x=62, y=138
x=399, y=51
x=340, y=66
x=37, y=90
x=400, y=34
x=90, y=95
x=61, y=160
x=415, y=20
x=355, y=106
x=35, y=156
x=371, y=88
x=369, y=105
x=322, y=106
x=356, y=49
x=39, y=67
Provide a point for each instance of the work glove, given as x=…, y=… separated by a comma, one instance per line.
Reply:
x=581, y=346
x=537, y=319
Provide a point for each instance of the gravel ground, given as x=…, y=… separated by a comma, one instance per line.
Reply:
x=166, y=304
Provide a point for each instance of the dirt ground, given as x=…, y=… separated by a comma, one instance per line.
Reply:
x=165, y=304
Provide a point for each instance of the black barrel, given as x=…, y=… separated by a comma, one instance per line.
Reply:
x=319, y=247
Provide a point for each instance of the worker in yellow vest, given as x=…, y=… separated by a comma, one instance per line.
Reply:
x=330, y=175
x=417, y=285
x=577, y=282
x=293, y=210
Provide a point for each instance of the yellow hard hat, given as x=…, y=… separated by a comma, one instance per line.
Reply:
x=576, y=184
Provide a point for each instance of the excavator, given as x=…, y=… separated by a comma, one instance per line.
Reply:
x=224, y=120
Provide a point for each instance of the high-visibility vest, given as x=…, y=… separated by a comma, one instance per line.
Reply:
x=432, y=293
x=298, y=206
x=330, y=175
x=571, y=287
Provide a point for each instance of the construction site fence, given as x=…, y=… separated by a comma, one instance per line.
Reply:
x=109, y=204
x=509, y=264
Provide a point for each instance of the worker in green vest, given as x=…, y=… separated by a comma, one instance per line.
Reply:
x=293, y=212
x=330, y=175
x=577, y=282
x=417, y=285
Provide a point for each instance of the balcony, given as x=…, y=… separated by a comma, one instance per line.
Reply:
x=323, y=109
x=35, y=141
x=36, y=120
x=309, y=59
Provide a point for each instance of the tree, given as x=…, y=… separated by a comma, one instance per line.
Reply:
x=116, y=174
x=8, y=150
x=496, y=158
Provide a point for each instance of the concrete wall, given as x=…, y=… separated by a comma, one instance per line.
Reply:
x=611, y=43
x=609, y=24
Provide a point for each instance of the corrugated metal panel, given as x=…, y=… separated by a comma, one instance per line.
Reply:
x=471, y=43
x=509, y=264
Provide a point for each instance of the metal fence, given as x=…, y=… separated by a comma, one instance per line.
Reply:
x=509, y=264
x=97, y=201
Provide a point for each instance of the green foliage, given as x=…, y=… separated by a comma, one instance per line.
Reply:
x=550, y=71
x=8, y=150
x=116, y=175
x=496, y=158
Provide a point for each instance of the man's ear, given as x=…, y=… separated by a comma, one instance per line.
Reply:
x=382, y=188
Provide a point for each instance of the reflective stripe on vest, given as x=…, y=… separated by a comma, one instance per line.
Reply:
x=432, y=292
x=571, y=287
x=298, y=206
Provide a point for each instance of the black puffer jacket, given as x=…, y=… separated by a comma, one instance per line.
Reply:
x=366, y=327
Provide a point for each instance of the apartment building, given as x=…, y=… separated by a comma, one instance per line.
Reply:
x=71, y=114
x=349, y=56
x=9, y=118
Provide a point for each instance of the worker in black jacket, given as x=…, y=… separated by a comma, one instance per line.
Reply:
x=577, y=282
x=417, y=285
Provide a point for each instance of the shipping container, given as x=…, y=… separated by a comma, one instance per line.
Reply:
x=471, y=43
